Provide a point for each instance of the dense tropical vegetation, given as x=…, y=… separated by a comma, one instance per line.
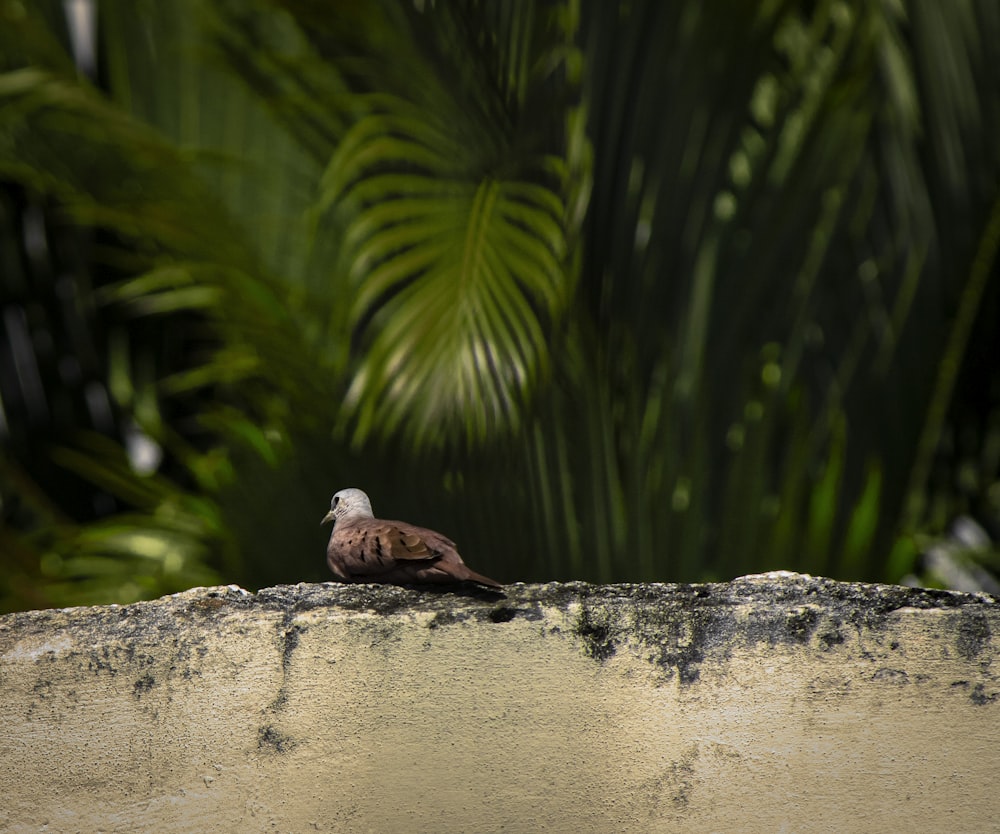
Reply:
x=611, y=291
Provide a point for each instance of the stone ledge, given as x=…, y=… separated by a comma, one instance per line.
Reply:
x=774, y=702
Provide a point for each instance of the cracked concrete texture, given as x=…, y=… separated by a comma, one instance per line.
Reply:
x=772, y=703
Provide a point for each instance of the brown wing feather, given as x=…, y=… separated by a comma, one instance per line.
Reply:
x=406, y=542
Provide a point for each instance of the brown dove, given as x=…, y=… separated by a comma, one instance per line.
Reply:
x=367, y=549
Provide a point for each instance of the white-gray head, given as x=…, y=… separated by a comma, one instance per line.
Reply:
x=348, y=503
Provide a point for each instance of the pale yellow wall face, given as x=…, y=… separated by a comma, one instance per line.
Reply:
x=774, y=703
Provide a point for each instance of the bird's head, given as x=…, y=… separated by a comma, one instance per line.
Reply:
x=348, y=502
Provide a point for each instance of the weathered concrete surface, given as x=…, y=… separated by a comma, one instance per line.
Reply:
x=772, y=703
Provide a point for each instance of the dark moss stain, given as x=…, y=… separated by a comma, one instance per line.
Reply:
x=100, y=661
x=674, y=641
x=973, y=634
x=671, y=787
x=443, y=618
x=139, y=660
x=502, y=614
x=42, y=689
x=269, y=738
x=891, y=675
x=680, y=779
x=289, y=643
x=980, y=697
x=800, y=624
x=595, y=630
x=290, y=633
x=831, y=636
x=687, y=661
x=508, y=613
x=682, y=649
x=143, y=685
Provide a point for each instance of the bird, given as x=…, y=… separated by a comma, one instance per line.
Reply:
x=367, y=549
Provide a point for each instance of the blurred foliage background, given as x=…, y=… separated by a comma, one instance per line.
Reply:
x=611, y=291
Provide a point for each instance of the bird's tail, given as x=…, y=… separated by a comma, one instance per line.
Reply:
x=479, y=579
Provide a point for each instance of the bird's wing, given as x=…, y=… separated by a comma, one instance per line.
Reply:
x=372, y=546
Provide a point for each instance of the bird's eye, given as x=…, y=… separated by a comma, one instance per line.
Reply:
x=336, y=500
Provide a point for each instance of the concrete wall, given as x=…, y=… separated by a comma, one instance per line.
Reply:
x=772, y=703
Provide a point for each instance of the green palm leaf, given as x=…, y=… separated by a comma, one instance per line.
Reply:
x=453, y=280
x=455, y=231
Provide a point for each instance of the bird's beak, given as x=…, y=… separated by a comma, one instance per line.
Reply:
x=328, y=517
